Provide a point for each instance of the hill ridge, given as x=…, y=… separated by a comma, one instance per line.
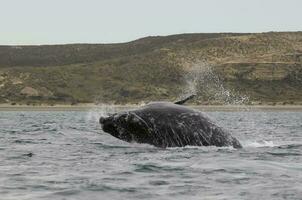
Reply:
x=154, y=68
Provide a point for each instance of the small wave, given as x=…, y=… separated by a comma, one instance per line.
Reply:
x=152, y=167
x=203, y=148
x=25, y=141
x=291, y=146
x=283, y=154
x=124, y=145
x=258, y=144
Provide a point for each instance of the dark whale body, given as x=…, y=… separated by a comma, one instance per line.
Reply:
x=165, y=124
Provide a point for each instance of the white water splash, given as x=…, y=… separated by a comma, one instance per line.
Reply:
x=202, y=80
x=203, y=148
x=257, y=144
x=102, y=110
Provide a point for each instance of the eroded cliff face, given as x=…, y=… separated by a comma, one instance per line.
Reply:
x=264, y=68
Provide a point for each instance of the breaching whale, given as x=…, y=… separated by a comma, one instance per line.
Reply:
x=166, y=124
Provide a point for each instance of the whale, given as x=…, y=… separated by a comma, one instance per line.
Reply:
x=167, y=124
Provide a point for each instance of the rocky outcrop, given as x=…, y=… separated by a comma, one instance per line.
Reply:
x=30, y=92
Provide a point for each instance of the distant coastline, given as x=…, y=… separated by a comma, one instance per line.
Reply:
x=90, y=106
x=221, y=68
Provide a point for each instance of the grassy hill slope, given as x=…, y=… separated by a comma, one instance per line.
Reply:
x=265, y=67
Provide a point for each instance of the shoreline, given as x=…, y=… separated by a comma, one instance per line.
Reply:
x=88, y=107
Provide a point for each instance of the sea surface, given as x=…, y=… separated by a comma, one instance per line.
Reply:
x=65, y=155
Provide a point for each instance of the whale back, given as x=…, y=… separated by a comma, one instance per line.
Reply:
x=171, y=125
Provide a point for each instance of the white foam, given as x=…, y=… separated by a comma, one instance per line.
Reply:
x=200, y=78
x=102, y=110
x=204, y=148
x=257, y=144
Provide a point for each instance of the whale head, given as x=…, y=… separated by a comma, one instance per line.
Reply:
x=125, y=126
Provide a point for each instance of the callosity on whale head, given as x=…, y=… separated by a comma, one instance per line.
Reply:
x=125, y=126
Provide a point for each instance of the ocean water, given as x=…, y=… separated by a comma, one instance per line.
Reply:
x=65, y=155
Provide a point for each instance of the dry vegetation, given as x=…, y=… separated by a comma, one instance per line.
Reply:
x=266, y=67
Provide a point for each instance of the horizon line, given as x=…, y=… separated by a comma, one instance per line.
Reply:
x=139, y=38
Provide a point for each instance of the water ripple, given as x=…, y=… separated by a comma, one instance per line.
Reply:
x=65, y=155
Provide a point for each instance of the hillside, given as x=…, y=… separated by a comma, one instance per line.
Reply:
x=258, y=68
